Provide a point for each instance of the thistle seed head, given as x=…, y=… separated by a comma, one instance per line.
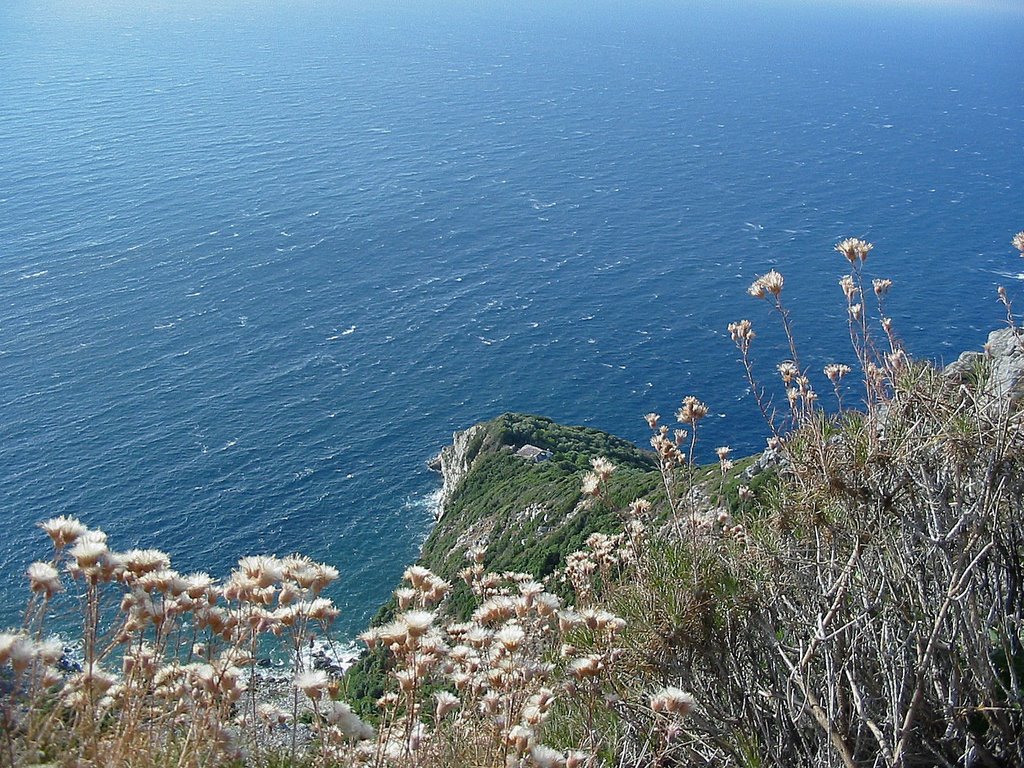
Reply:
x=672, y=701
x=43, y=578
x=692, y=411
x=854, y=249
x=63, y=530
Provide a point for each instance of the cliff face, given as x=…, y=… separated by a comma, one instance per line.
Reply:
x=455, y=462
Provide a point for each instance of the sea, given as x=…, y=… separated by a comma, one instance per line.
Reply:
x=259, y=260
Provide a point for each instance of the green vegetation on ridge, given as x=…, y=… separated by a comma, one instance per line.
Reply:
x=529, y=514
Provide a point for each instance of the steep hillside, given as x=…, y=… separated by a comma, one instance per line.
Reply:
x=529, y=513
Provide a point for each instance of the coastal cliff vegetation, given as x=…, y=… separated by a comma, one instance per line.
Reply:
x=852, y=597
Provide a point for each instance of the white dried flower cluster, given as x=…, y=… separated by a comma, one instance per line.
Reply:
x=666, y=446
x=742, y=333
x=850, y=289
x=493, y=674
x=594, y=481
x=21, y=652
x=691, y=411
x=603, y=555
x=836, y=371
x=788, y=371
x=178, y=637
x=767, y=284
x=854, y=249
x=187, y=645
x=1018, y=242
x=673, y=701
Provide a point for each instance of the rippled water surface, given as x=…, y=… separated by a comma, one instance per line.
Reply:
x=258, y=261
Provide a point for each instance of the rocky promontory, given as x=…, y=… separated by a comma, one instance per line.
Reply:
x=455, y=461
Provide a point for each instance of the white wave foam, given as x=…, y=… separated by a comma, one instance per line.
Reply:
x=430, y=502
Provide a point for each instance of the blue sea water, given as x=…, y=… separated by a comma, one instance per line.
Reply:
x=259, y=260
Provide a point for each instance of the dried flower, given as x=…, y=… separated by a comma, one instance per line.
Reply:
x=63, y=530
x=95, y=680
x=881, y=286
x=672, y=701
x=896, y=360
x=520, y=737
x=140, y=561
x=773, y=283
x=445, y=702
x=788, y=371
x=340, y=715
x=768, y=283
x=405, y=596
x=602, y=467
x=44, y=578
x=7, y=642
x=313, y=683
x=199, y=584
x=418, y=576
x=591, y=485
x=639, y=507
x=849, y=287
x=510, y=637
x=586, y=666
x=51, y=650
x=836, y=371
x=322, y=576
x=742, y=333
x=417, y=622
x=545, y=757
x=854, y=249
x=1018, y=242
x=693, y=410
x=162, y=581
x=87, y=552
x=263, y=569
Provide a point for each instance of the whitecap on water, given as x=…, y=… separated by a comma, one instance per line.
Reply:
x=347, y=332
x=430, y=502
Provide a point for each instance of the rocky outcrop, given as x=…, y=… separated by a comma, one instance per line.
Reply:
x=455, y=461
x=999, y=369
